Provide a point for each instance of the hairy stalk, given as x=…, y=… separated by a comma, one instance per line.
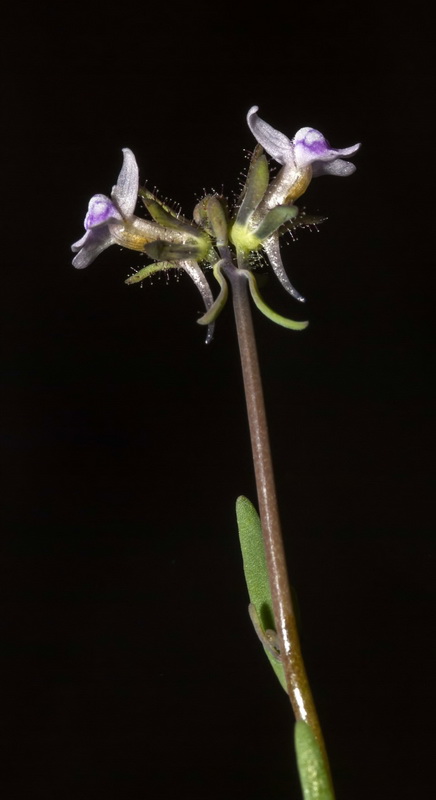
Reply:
x=296, y=678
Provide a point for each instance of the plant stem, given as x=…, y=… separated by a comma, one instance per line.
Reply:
x=299, y=691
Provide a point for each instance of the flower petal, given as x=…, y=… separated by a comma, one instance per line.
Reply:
x=310, y=147
x=101, y=210
x=275, y=143
x=90, y=246
x=125, y=193
x=339, y=168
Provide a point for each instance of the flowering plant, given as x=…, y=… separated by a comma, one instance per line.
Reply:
x=227, y=242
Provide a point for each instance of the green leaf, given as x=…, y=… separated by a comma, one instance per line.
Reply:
x=314, y=778
x=256, y=574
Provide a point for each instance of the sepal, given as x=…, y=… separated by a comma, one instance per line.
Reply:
x=175, y=251
x=303, y=221
x=200, y=214
x=274, y=220
x=165, y=215
x=217, y=218
x=255, y=186
x=211, y=215
x=151, y=269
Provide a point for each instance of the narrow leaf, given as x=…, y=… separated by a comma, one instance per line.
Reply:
x=256, y=573
x=314, y=778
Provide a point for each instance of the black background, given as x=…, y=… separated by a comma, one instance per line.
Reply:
x=133, y=668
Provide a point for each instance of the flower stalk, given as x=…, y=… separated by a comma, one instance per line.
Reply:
x=297, y=682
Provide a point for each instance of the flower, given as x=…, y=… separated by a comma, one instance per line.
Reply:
x=307, y=147
x=106, y=215
x=305, y=156
x=110, y=220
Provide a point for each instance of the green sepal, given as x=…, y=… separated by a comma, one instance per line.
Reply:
x=314, y=777
x=275, y=218
x=174, y=251
x=210, y=213
x=267, y=311
x=146, y=272
x=219, y=303
x=217, y=217
x=163, y=214
x=256, y=574
x=303, y=221
x=255, y=186
x=200, y=214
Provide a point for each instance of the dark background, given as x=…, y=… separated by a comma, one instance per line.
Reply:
x=133, y=668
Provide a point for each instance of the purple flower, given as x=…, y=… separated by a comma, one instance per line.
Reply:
x=305, y=156
x=105, y=213
x=307, y=148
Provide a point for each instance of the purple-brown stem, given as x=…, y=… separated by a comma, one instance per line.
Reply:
x=299, y=691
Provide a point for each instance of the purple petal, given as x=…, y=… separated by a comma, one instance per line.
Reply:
x=79, y=244
x=90, y=246
x=101, y=210
x=275, y=143
x=310, y=147
x=125, y=193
